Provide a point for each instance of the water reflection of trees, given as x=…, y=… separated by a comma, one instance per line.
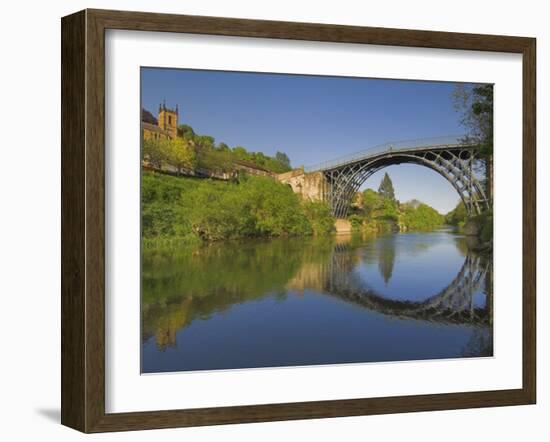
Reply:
x=181, y=286
x=386, y=257
x=387, y=247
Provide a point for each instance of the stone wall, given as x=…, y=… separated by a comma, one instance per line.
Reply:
x=252, y=169
x=343, y=226
x=310, y=186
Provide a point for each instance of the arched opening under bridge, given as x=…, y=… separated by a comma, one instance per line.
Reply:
x=457, y=165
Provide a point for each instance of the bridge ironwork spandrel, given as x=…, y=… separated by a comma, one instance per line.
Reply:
x=452, y=157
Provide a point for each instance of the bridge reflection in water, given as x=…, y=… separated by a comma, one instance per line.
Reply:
x=190, y=298
x=453, y=304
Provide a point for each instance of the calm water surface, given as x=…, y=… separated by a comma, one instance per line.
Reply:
x=306, y=301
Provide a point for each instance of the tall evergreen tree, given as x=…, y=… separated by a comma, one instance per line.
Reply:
x=386, y=188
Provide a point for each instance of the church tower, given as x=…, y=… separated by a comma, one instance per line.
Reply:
x=168, y=119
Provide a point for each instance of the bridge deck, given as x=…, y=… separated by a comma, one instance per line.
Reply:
x=425, y=144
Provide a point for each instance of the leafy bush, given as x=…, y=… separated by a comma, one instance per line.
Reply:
x=356, y=221
x=319, y=216
x=176, y=152
x=457, y=216
x=212, y=210
x=423, y=217
x=487, y=230
x=485, y=223
x=380, y=213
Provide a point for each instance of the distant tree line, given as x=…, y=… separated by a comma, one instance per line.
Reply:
x=381, y=211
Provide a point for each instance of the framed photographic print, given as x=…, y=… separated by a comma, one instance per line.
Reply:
x=270, y=220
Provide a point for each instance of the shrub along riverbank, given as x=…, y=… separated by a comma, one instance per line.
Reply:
x=192, y=210
x=185, y=210
x=376, y=212
x=480, y=226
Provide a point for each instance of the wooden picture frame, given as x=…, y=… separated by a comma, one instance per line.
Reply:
x=83, y=220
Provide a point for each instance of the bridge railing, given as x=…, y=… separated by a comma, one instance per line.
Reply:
x=396, y=146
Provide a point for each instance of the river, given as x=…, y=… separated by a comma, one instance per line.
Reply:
x=306, y=301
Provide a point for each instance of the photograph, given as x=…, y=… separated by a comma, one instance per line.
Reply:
x=299, y=220
x=256, y=222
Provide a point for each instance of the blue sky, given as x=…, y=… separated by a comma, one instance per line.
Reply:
x=314, y=118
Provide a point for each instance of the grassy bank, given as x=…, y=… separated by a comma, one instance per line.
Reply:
x=190, y=210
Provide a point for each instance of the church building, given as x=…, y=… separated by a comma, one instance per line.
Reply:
x=166, y=127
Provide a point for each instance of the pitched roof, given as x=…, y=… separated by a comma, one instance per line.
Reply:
x=153, y=128
x=147, y=117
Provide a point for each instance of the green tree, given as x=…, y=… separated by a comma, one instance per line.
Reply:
x=386, y=188
x=372, y=202
x=240, y=153
x=389, y=210
x=186, y=131
x=214, y=160
x=282, y=158
x=155, y=152
x=356, y=221
x=275, y=208
x=475, y=105
x=204, y=141
x=180, y=154
x=457, y=216
x=319, y=216
x=422, y=217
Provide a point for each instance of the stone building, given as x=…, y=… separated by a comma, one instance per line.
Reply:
x=165, y=127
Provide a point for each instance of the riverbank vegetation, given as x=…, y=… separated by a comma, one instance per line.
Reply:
x=379, y=211
x=482, y=227
x=479, y=225
x=193, y=210
x=475, y=105
x=457, y=217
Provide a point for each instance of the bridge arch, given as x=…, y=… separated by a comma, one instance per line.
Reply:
x=454, y=161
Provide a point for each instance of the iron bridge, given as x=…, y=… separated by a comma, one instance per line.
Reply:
x=451, y=156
